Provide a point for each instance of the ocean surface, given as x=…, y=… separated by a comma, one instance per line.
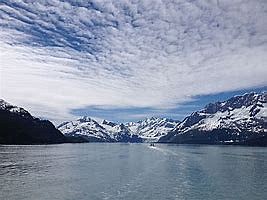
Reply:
x=132, y=171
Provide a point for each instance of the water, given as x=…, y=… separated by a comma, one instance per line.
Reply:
x=132, y=171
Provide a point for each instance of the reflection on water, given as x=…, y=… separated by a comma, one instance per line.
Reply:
x=132, y=171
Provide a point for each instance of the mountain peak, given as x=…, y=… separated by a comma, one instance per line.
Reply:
x=112, y=124
x=18, y=126
x=235, y=102
x=86, y=119
x=148, y=129
x=239, y=118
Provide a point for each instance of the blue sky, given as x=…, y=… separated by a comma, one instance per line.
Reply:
x=127, y=60
x=178, y=113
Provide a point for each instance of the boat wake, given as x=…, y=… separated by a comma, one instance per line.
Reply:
x=164, y=151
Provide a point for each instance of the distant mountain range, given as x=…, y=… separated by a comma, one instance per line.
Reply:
x=105, y=131
x=238, y=120
x=93, y=131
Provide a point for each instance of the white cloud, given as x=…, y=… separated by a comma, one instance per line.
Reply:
x=58, y=56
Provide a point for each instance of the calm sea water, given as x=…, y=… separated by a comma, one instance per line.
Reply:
x=132, y=171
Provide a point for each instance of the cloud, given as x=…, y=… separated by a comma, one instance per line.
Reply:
x=60, y=56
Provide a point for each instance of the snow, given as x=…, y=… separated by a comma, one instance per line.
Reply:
x=150, y=130
x=6, y=106
x=248, y=116
x=211, y=122
x=228, y=118
x=83, y=126
x=263, y=111
x=244, y=118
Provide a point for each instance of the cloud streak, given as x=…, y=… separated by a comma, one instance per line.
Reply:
x=60, y=56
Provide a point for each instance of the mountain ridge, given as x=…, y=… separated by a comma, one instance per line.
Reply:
x=241, y=119
x=149, y=129
x=18, y=126
x=235, y=120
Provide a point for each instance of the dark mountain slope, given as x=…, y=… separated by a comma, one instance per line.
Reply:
x=17, y=126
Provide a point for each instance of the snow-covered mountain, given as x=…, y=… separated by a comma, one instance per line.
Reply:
x=94, y=131
x=87, y=128
x=150, y=129
x=236, y=120
x=18, y=126
x=13, y=109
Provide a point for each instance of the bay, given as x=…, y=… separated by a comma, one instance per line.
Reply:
x=132, y=171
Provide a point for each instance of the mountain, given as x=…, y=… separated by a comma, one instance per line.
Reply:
x=87, y=128
x=142, y=131
x=151, y=129
x=17, y=126
x=93, y=131
x=238, y=120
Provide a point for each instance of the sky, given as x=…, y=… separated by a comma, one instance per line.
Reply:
x=125, y=60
